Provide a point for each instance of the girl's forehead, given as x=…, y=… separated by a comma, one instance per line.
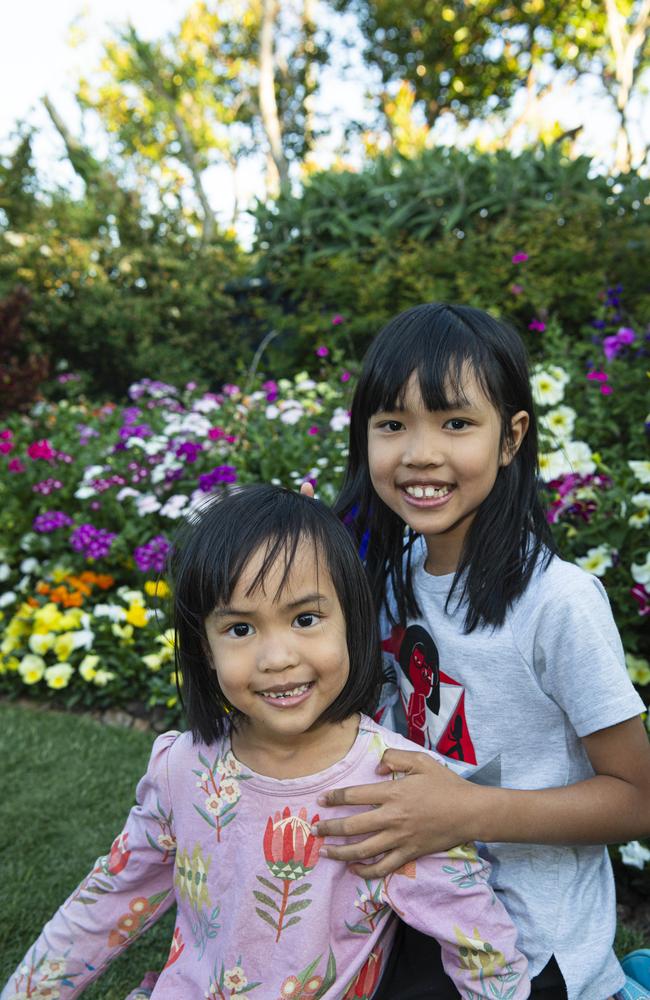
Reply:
x=454, y=390
x=278, y=567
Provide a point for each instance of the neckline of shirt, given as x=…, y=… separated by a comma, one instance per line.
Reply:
x=310, y=783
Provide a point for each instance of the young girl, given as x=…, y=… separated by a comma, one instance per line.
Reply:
x=503, y=656
x=279, y=657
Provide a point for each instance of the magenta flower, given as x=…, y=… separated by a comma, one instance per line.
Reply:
x=641, y=595
x=345, y=376
x=47, y=486
x=516, y=289
x=606, y=390
x=322, y=351
x=15, y=465
x=337, y=319
x=537, y=324
x=271, y=390
x=313, y=431
x=597, y=376
x=519, y=258
x=41, y=449
x=215, y=433
x=615, y=344
x=230, y=390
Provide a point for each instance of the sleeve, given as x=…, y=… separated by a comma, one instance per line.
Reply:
x=126, y=892
x=447, y=896
x=576, y=652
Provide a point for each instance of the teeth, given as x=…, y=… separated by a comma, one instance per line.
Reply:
x=290, y=693
x=427, y=491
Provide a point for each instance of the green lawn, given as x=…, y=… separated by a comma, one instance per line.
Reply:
x=66, y=786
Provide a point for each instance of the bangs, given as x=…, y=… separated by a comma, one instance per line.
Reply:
x=440, y=348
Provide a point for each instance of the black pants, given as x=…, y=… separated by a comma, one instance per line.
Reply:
x=414, y=972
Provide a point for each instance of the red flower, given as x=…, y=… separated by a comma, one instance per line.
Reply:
x=364, y=985
x=118, y=859
x=290, y=848
x=176, y=949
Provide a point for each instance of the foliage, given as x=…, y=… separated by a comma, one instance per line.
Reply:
x=21, y=373
x=445, y=225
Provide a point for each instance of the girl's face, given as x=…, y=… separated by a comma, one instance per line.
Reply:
x=435, y=468
x=281, y=655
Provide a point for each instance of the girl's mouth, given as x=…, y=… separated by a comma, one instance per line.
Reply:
x=287, y=697
x=426, y=495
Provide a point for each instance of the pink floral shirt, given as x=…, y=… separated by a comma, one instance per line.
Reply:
x=260, y=911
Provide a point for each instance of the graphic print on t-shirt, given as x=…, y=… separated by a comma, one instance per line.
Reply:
x=444, y=727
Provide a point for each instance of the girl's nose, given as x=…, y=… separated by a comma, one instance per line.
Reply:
x=422, y=450
x=277, y=653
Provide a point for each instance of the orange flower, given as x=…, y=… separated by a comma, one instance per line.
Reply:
x=42, y=587
x=73, y=600
x=59, y=594
x=79, y=584
x=115, y=939
x=33, y=603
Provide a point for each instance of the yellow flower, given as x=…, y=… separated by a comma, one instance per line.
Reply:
x=47, y=619
x=10, y=664
x=71, y=619
x=124, y=632
x=59, y=574
x=31, y=668
x=157, y=588
x=153, y=661
x=87, y=667
x=9, y=644
x=168, y=641
x=136, y=615
x=63, y=646
x=41, y=642
x=16, y=628
x=58, y=676
x=102, y=677
x=638, y=668
x=476, y=955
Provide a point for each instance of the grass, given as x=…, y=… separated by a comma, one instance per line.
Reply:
x=66, y=786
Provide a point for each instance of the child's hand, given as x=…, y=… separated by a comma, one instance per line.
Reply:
x=427, y=810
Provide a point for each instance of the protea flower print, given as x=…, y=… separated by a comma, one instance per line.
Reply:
x=290, y=850
x=365, y=982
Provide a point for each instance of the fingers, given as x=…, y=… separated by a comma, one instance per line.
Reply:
x=307, y=490
x=351, y=826
x=370, y=848
x=386, y=865
x=357, y=795
x=406, y=761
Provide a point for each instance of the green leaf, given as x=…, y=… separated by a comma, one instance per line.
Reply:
x=263, y=898
x=302, y=904
x=208, y=819
x=270, y=885
x=300, y=888
x=266, y=916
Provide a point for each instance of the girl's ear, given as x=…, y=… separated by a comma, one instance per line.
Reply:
x=518, y=428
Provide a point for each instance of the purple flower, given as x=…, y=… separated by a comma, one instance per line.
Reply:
x=271, y=390
x=519, y=258
x=337, y=319
x=217, y=477
x=152, y=556
x=322, y=351
x=615, y=344
x=313, y=431
x=50, y=521
x=95, y=543
x=189, y=450
x=230, y=390
x=536, y=324
x=47, y=486
x=130, y=414
x=345, y=376
x=139, y=431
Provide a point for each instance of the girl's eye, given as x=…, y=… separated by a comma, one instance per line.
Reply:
x=306, y=620
x=457, y=424
x=240, y=630
x=390, y=425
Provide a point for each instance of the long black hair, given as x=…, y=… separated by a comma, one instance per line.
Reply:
x=441, y=343
x=209, y=556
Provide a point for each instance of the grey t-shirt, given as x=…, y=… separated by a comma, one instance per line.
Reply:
x=510, y=705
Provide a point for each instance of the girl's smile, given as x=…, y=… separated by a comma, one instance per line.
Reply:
x=435, y=468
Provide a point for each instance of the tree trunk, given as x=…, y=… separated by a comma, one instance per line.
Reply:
x=191, y=162
x=627, y=43
x=268, y=103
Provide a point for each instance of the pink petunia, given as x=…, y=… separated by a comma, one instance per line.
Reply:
x=313, y=431
x=345, y=376
x=519, y=258
x=337, y=319
x=322, y=351
x=537, y=324
x=597, y=376
x=41, y=449
x=516, y=289
x=15, y=465
x=606, y=390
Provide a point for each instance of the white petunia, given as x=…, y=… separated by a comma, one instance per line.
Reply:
x=547, y=391
x=174, y=505
x=7, y=598
x=552, y=465
x=641, y=571
x=206, y=405
x=147, y=504
x=559, y=374
x=641, y=470
x=85, y=492
x=634, y=854
x=340, y=419
x=580, y=457
x=559, y=422
x=272, y=412
x=597, y=560
x=113, y=612
x=29, y=565
x=5, y=571
x=127, y=491
x=292, y=414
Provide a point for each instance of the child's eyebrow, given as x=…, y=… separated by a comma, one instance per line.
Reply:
x=314, y=598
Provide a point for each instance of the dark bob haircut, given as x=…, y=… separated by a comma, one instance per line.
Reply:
x=441, y=344
x=208, y=559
